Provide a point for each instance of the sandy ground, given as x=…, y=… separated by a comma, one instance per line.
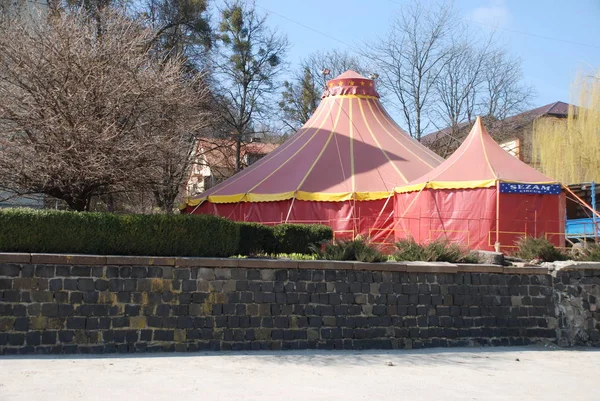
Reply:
x=515, y=373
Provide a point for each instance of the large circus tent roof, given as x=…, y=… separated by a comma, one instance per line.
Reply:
x=349, y=149
x=478, y=163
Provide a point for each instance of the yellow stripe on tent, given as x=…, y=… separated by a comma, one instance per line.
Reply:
x=300, y=195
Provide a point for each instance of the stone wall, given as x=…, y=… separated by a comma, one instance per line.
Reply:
x=576, y=296
x=93, y=304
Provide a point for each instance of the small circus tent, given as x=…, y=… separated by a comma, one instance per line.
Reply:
x=339, y=169
x=479, y=196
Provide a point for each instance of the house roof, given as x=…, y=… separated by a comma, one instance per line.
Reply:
x=349, y=149
x=221, y=153
x=513, y=123
x=478, y=163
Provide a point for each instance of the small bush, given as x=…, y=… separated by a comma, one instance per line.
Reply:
x=443, y=251
x=437, y=251
x=409, y=250
x=471, y=258
x=296, y=256
x=298, y=238
x=590, y=253
x=358, y=250
x=26, y=230
x=531, y=248
x=256, y=238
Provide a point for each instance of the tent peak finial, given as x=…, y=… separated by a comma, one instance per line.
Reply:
x=351, y=83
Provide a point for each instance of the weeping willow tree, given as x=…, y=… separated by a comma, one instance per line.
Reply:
x=568, y=150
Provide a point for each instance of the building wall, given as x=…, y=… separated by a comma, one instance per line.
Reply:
x=8, y=199
x=83, y=304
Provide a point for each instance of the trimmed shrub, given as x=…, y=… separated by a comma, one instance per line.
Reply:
x=531, y=248
x=256, y=238
x=26, y=230
x=298, y=238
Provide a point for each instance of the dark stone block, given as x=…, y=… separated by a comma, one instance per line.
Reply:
x=15, y=296
x=125, y=271
x=85, y=284
x=199, y=297
x=120, y=321
x=91, y=297
x=241, y=285
x=103, y=323
x=27, y=271
x=15, y=339
x=92, y=323
x=115, y=284
x=81, y=271
x=112, y=271
x=132, y=310
x=228, y=309
x=44, y=271
x=49, y=337
x=124, y=297
x=6, y=284
x=129, y=284
x=65, y=310
x=189, y=285
x=100, y=310
x=424, y=299
x=154, y=321
x=55, y=284
x=50, y=310
x=101, y=285
x=139, y=272
x=21, y=324
x=19, y=310
x=33, y=338
x=10, y=270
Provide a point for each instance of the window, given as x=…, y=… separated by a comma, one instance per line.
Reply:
x=513, y=147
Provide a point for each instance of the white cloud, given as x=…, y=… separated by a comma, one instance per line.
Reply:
x=495, y=14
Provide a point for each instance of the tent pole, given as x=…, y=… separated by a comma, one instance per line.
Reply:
x=199, y=204
x=581, y=201
x=497, y=244
x=381, y=211
x=290, y=209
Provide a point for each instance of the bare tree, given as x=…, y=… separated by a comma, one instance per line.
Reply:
x=411, y=58
x=302, y=93
x=440, y=77
x=504, y=93
x=83, y=115
x=247, y=62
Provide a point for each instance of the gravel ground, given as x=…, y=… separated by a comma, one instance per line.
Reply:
x=511, y=373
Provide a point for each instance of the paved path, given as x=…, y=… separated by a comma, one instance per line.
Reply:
x=515, y=373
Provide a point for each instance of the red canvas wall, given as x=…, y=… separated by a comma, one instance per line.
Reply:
x=468, y=217
x=371, y=219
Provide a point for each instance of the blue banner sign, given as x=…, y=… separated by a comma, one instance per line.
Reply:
x=512, y=188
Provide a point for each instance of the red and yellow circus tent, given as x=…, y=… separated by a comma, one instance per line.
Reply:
x=339, y=169
x=479, y=196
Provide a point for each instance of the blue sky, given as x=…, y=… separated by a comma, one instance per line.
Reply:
x=555, y=39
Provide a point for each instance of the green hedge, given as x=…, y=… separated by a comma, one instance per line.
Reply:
x=297, y=238
x=25, y=230
x=49, y=231
x=256, y=238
